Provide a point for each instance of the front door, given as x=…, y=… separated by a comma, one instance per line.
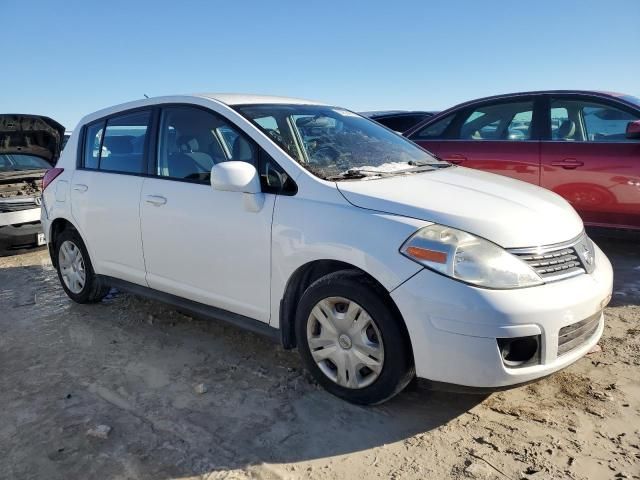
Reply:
x=497, y=136
x=588, y=160
x=200, y=243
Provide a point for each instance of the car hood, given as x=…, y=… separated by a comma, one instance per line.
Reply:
x=505, y=211
x=30, y=135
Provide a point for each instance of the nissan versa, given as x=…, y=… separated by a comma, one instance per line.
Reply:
x=330, y=232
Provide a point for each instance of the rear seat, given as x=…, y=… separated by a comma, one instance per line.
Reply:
x=121, y=157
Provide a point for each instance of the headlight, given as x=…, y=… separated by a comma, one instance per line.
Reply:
x=468, y=258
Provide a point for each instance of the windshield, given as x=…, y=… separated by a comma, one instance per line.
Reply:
x=16, y=162
x=336, y=144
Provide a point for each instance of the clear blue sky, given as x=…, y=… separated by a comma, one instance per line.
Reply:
x=68, y=58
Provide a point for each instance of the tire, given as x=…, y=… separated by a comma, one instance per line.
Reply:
x=366, y=358
x=91, y=290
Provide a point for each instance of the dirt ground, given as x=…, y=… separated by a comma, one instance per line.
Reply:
x=134, y=365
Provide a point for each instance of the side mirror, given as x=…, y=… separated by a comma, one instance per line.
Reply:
x=235, y=177
x=633, y=130
x=240, y=177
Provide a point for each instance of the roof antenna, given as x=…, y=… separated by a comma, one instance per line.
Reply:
x=145, y=95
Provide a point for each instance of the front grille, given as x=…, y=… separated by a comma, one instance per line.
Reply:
x=552, y=264
x=576, y=334
x=555, y=262
x=16, y=206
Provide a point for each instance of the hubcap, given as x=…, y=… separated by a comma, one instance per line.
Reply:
x=345, y=342
x=71, y=266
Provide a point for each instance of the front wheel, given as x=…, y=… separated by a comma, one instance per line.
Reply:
x=351, y=340
x=75, y=271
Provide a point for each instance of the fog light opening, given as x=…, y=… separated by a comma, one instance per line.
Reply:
x=520, y=351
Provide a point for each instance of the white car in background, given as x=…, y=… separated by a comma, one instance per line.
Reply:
x=29, y=146
x=331, y=233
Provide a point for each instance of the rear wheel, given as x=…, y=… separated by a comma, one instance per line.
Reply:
x=75, y=271
x=351, y=340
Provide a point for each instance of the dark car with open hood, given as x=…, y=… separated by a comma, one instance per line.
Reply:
x=29, y=146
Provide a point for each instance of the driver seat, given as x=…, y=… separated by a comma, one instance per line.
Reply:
x=242, y=151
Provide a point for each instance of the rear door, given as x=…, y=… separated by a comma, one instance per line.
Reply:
x=105, y=193
x=587, y=159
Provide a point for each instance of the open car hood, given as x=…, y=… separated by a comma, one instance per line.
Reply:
x=30, y=135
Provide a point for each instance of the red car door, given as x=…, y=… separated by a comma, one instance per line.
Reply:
x=588, y=160
x=498, y=137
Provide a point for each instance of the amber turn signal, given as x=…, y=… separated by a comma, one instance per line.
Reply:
x=426, y=254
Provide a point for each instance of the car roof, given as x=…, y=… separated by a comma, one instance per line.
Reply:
x=245, y=99
x=601, y=93
x=444, y=113
x=393, y=113
x=229, y=99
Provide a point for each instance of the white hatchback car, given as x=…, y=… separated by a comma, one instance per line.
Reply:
x=331, y=233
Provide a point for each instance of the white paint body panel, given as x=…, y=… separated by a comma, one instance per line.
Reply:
x=508, y=212
x=209, y=246
x=205, y=246
x=108, y=213
x=453, y=327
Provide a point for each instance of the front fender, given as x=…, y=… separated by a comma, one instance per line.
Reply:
x=305, y=231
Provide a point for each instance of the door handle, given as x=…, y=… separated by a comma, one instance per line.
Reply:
x=80, y=187
x=568, y=163
x=455, y=158
x=156, y=200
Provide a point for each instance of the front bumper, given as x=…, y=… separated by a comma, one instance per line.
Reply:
x=19, y=229
x=454, y=327
x=24, y=235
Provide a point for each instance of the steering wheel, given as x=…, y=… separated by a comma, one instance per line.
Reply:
x=271, y=174
x=325, y=154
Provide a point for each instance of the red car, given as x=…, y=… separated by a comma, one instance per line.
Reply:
x=585, y=146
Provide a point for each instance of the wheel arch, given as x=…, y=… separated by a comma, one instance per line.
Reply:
x=57, y=227
x=308, y=273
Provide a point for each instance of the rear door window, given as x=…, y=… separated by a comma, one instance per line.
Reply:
x=586, y=121
x=604, y=123
x=124, y=143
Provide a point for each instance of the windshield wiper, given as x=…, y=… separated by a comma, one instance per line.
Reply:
x=421, y=163
x=354, y=173
x=417, y=166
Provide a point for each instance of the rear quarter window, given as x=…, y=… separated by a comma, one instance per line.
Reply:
x=434, y=130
